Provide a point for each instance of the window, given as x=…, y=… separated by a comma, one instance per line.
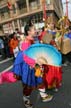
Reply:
x=48, y=2
x=21, y=4
x=14, y=9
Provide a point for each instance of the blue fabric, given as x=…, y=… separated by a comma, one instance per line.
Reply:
x=66, y=36
x=27, y=74
x=1, y=44
x=51, y=32
x=17, y=67
x=36, y=40
x=69, y=35
x=19, y=58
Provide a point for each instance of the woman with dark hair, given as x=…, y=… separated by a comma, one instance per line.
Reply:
x=14, y=44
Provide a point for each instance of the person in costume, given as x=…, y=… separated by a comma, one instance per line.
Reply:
x=14, y=45
x=29, y=71
x=53, y=74
x=33, y=74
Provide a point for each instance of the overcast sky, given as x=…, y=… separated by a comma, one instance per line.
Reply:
x=69, y=8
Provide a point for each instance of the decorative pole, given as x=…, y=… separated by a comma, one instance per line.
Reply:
x=67, y=13
x=67, y=8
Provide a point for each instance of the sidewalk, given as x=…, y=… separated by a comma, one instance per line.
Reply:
x=5, y=60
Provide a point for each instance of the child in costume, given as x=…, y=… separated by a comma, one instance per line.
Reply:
x=53, y=74
x=26, y=69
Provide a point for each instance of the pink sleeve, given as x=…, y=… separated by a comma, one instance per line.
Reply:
x=25, y=45
x=29, y=61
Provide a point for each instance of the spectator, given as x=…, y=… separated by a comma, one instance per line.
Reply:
x=14, y=44
x=7, y=52
x=2, y=48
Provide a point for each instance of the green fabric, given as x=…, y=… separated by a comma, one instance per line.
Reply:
x=57, y=34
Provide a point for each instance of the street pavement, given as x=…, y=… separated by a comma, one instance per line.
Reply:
x=11, y=94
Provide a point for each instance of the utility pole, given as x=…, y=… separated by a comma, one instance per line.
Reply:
x=67, y=8
x=44, y=11
x=66, y=3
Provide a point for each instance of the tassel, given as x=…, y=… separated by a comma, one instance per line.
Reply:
x=38, y=71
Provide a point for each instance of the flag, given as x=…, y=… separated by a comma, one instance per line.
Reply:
x=9, y=5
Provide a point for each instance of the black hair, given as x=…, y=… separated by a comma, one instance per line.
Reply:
x=43, y=28
x=58, y=28
x=37, y=65
x=17, y=29
x=27, y=27
x=14, y=34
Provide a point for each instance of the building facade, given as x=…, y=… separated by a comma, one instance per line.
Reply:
x=15, y=13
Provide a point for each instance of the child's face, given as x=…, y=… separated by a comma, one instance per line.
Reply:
x=15, y=36
x=52, y=26
x=32, y=31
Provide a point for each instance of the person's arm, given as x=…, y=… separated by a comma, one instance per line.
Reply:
x=29, y=61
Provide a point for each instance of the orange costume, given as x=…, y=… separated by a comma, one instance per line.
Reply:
x=14, y=43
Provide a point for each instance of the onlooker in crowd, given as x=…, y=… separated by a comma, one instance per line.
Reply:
x=7, y=52
x=2, y=48
x=18, y=33
x=14, y=44
x=9, y=44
